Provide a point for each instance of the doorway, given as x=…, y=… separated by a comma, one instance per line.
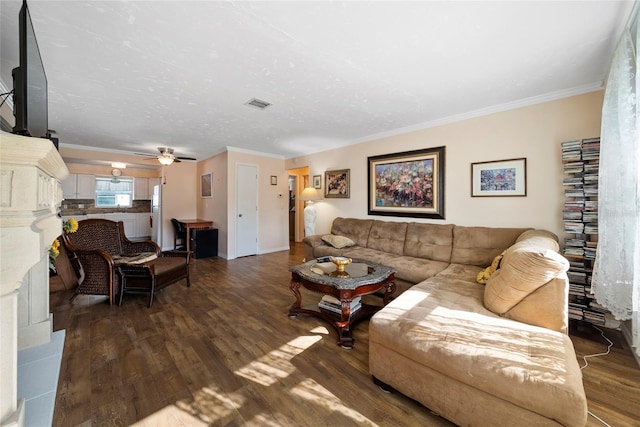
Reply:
x=246, y=210
x=292, y=207
x=298, y=180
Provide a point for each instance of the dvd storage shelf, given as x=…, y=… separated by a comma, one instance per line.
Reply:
x=580, y=161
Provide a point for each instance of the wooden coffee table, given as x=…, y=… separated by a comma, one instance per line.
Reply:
x=362, y=278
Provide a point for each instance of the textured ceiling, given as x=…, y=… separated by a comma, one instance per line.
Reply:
x=135, y=75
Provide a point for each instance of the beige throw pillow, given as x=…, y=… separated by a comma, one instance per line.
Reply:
x=523, y=270
x=338, y=242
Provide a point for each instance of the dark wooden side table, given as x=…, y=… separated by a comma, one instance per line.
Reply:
x=362, y=278
x=153, y=275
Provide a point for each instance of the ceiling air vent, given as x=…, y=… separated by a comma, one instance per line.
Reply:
x=258, y=103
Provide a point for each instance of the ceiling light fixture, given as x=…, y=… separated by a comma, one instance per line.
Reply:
x=119, y=165
x=165, y=160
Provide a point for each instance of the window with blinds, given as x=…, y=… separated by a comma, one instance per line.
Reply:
x=114, y=192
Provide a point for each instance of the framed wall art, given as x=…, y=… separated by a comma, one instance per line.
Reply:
x=500, y=178
x=317, y=181
x=206, y=185
x=336, y=184
x=409, y=184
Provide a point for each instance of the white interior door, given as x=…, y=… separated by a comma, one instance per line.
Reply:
x=246, y=210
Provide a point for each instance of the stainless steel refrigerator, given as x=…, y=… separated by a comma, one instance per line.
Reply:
x=156, y=215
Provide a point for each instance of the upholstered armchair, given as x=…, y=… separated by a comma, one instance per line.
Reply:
x=97, y=248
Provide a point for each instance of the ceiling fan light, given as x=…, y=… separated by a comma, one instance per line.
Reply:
x=166, y=161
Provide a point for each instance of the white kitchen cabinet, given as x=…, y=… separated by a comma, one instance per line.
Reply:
x=144, y=225
x=70, y=186
x=86, y=186
x=136, y=225
x=79, y=186
x=141, y=188
x=130, y=225
x=128, y=220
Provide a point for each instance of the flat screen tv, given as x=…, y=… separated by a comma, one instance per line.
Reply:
x=29, y=83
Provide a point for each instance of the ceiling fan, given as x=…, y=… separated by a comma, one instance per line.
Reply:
x=166, y=156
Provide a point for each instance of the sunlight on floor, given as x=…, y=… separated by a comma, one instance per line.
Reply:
x=206, y=407
x=209, y=405
x=320, y=330
x=314, y=392
x=276, y=364
x=170, y=416
x=265, y=420
x=212, y=405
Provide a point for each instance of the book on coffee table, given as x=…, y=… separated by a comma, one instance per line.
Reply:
x=333, y=304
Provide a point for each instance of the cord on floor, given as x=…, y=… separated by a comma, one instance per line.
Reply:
x=586, y=363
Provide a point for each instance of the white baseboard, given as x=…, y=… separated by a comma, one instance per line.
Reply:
x=626, y=332
x=270, y=250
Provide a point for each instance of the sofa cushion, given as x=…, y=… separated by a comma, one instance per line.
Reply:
x=337, y=241
x=442, y=324
x=358, y=253
x=412, y=269
x=387, y=236
x=527, y=266
x=479, y=245
x=355, y=229
x=467, y=273
x=430, y=241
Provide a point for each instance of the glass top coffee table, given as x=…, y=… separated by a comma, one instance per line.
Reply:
x=341, y=304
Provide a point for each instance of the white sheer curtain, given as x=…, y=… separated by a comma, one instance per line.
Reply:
x=616, y=275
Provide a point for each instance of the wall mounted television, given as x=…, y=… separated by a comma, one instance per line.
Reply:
x=29, y=83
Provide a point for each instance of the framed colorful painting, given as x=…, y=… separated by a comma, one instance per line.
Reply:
x=409, y=184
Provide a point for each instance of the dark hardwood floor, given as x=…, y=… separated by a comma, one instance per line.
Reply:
x=225, y=353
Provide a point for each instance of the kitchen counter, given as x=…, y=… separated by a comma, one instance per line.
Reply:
x=79, y=207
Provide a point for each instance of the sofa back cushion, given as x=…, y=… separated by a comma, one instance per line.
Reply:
x=355, y=229
x=387, y=236
x=531, y=282
x=429, y=241
x=480, y=245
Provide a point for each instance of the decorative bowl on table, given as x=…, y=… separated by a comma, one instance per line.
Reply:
x=340, y=262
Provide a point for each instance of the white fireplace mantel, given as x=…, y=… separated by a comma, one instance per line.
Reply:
x=30, y=194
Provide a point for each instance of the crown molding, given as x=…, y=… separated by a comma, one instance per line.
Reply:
x=256, y=153
x=526, y=102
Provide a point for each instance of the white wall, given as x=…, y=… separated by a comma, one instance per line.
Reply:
x=179, y=192
x=273, y=202
x=215, y=208
x=533, y=132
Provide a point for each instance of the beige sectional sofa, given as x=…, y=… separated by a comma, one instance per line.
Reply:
x=494, y=354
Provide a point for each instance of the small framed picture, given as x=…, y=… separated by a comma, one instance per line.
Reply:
x=274, y=180
x=336, y=184
x=499, y=178
x=206, y=185
x=317, y=181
